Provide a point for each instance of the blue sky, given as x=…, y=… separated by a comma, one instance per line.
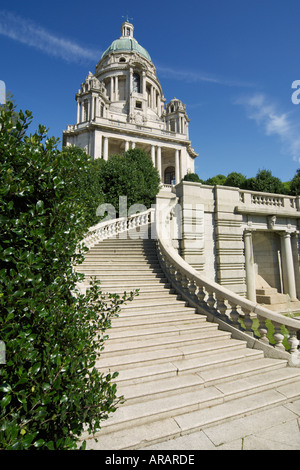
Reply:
x=232, y=62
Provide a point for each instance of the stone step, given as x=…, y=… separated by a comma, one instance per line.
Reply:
x=239, y=381
x=231, y=409
x=155, y=314
x=114, y=255
x=267, y=291
x=137, y=283
x=152, y=432
x=162, y=305
x=123, y=249
x=116, y=263
x=121, y=270
x=183, y=357
x=143, y=290
x=142, y=322
x=117, y=347
x=148, y=292
x=153, y=372
x=196, y=409
x=134, y=275
x=158, y=331
x=156, y=297
x=271, y=299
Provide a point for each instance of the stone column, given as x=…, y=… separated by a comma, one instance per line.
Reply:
x=159, y=161
x=153, y=154
x=78, y=112
x=126, y=145
x=92, y=108
x=111, y=89
x=133, y=145
x=97, y=145
x=177, y=166
x=288, y=265
x=116, y=88
x=105, y=148
x=249, y=266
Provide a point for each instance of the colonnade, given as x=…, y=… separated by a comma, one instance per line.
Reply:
x=288, y=271
x=102, y=150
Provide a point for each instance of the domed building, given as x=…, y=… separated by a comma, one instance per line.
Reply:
x=122, y=106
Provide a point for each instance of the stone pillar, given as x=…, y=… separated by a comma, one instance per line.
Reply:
x=159, y=161
x=97, y=145
x=105, y=148
x=177, y=166
x=78, y=112
x=288, y=265
x=82, y=111
x=88, y=117
x=126, y=145
x=117, y=88
x=92, y=116
x=133, y=145
x=153, y=154
x=249, y=266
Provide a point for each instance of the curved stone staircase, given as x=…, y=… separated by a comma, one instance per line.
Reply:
x=178, y=372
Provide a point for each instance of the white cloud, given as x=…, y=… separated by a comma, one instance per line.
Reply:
x=191, y=76
x=274, y=122
x=27, y=32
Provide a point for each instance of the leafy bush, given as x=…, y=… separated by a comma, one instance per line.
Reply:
x=50, y=387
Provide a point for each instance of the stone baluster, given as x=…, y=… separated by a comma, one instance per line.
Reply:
x=263, y=330
x=201, y=294
x=278, y=337
x=211, y=302
x=221, y=308
x=185, y=282
x=193, y=289
x=293, y=341
x=234, y=315
x=247, y=322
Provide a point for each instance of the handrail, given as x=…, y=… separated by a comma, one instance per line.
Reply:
x=110, y=228
x=232, y=311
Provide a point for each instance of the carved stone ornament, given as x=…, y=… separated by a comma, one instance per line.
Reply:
x=272, y=222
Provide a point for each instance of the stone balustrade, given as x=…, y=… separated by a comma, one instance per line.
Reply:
x=111, y=228
x=261, y=328
x=269, y=202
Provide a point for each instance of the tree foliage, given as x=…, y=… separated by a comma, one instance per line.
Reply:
x=50, y=388
x=192, y=177
x=295, y=184
x=132, y=175
x=216, y=180
x=265, y=182
x=235, y=179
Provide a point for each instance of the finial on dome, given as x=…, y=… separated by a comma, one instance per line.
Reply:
x=127, y=28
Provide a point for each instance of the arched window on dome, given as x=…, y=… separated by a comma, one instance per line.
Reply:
x=136, y=83
x=169, y=176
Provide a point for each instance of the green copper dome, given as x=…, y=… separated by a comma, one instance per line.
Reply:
x=126, y=44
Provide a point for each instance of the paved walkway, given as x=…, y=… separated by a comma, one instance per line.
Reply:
x=274, y=429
